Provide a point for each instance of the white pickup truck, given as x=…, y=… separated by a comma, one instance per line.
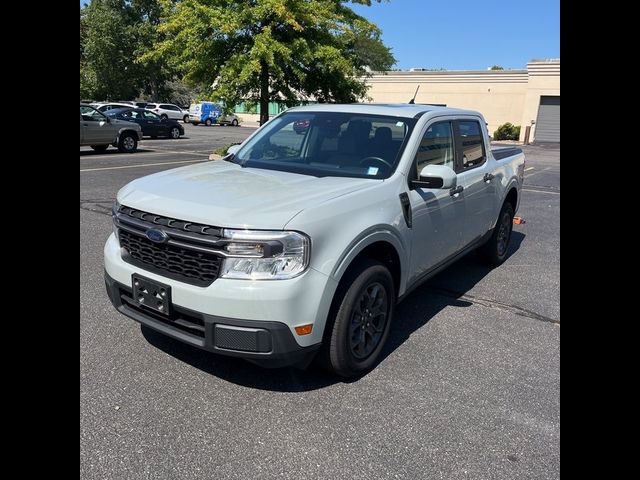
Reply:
x=300, y=242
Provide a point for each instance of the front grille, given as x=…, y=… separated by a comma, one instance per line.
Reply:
x=190, y=255
x=193, y=267
x=155, y=220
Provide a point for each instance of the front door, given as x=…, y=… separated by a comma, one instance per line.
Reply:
x=437, y=215
x=95, y=127
x=154, y=124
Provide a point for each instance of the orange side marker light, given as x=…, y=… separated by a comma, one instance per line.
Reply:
x=304, y=329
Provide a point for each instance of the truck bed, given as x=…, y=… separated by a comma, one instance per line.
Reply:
x=504, y=152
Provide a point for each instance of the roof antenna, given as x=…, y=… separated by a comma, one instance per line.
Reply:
x=413, y=100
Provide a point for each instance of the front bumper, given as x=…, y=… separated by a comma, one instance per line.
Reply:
x=265, y=343
x=274, y=305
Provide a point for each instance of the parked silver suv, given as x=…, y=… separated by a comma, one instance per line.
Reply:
x=100, y=131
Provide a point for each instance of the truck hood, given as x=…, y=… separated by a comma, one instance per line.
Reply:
x=224, y=194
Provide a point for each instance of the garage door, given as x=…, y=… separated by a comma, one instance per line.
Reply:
x=548, y=123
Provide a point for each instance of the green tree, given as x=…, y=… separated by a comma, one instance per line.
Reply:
x=107, y=71
x=496, y=67
x=114, y=35
x=272, y=50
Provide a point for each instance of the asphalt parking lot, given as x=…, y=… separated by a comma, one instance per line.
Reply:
x=468, y=386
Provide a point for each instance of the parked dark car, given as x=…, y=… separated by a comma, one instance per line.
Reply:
x=152, y=125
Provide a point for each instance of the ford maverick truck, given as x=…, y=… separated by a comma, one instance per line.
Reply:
x=300, y=242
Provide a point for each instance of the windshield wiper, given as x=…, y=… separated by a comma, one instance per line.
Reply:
x=230, y=157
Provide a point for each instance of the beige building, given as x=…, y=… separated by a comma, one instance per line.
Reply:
x=528, y=97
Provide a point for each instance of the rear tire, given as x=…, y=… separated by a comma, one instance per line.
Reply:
x=208, y=122
x=128, y=143
x=494, y=252
x=99, y=148
x=360, y=319
x=185, y=119
x=174, y=133
x=234, y=122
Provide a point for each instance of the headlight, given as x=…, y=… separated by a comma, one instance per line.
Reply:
x=264, y=255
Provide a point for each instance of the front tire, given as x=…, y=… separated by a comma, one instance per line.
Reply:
x=234, y=123
x=360, y=326
x=494, y=252
x=128, y=143
x=208, y=122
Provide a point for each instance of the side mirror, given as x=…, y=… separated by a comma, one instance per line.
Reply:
x=233, y=149
x=436, y=176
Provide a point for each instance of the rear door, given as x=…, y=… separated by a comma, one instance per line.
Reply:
x=474, y=176
x=171, y=111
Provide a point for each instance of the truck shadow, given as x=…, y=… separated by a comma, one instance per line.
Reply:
x=444, y=290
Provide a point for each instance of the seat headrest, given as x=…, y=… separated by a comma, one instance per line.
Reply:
x=383, y=135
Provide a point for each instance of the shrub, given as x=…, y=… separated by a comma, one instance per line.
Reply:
x=507, y=132
x=222, y=150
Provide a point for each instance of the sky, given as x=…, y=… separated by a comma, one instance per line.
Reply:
x=466, y=34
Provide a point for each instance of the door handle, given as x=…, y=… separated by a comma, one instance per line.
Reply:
x=488, y=177
x=454, y=192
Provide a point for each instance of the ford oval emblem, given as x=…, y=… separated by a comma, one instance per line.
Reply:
x=157, y=236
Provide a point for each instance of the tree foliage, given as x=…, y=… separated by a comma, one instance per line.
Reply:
x=114, y=35
x=268, y=50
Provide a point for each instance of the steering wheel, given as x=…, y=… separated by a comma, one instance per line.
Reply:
x=375, y=159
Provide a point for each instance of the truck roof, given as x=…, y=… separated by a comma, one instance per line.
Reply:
x=406, y=110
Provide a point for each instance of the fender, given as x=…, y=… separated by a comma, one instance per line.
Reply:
x=376, y=233
x=513, y=183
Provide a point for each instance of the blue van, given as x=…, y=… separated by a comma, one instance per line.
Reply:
x=204, y=112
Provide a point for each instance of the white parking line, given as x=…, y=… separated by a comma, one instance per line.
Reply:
x=540, y=191
x=148, y=153
x=140, y=165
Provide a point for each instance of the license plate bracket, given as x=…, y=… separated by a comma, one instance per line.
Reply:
x=151, y=294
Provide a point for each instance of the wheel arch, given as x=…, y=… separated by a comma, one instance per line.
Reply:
x=382, y=245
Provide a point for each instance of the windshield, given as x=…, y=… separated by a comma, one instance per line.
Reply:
x=329, y=144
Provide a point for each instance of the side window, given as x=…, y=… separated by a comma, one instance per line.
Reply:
x=473, y=153
x=436, y=147
x=150, y=115
x=90, y=114
x=151, y=106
